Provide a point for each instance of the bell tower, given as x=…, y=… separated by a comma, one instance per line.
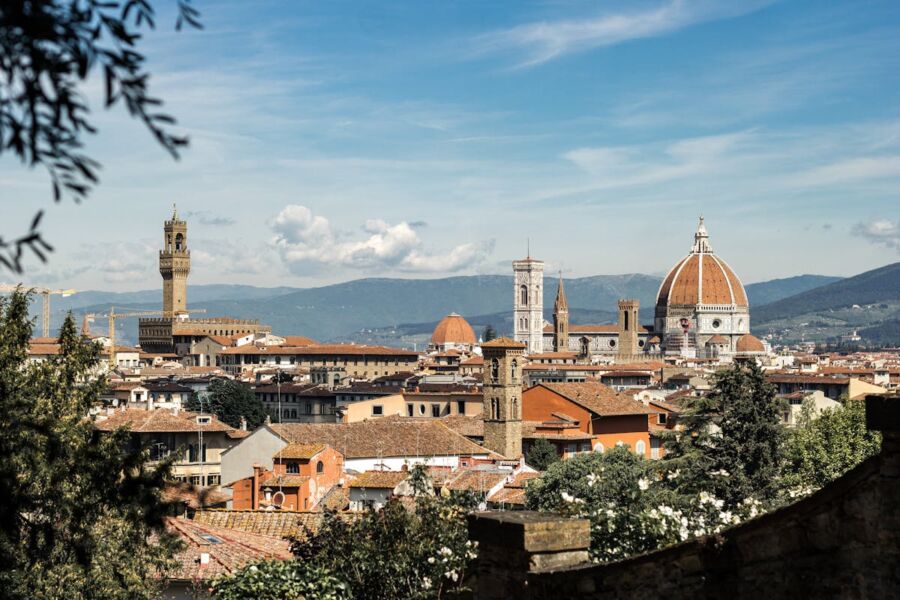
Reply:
x=502, y=396
x=628, y=327
x=174, y=266
x=561, y=319
x=528, y=303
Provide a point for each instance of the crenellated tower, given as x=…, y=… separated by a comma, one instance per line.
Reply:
x=174, y=266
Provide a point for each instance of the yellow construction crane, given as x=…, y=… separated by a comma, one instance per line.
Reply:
x=112, y=315
x=46, y=293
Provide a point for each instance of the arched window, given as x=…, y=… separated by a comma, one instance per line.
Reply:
x=179, y=242
x=495, y=370
x=640, y=448
x=320, y=467
x=495, y=408
x=626, y=320
x=513, y=366
x=523, y=295
x=598, y=447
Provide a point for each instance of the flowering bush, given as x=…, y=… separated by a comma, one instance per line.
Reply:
x=630, y=507
x=280, y=580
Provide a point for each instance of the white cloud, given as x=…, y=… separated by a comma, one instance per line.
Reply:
x=544, y=41
x=880, y=231
x=307, y=242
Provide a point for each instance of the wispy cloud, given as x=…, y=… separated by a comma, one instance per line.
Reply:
x=307, y=242
x=206, y=217
x=884, y=232
x=544, y=41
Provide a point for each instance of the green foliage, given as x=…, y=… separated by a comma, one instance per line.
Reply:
x=78, y=508
x=541, y=455
x=398, y=552
x=731, y=445
x=281, y=580
x=230, y=400
x=821, y=449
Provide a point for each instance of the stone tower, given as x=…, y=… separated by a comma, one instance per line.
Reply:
x=528, y=304
x=502, y=396
x=629, y=325
x=174, y=266
x=561, y=319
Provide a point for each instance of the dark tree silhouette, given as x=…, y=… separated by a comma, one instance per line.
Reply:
x=48, y=49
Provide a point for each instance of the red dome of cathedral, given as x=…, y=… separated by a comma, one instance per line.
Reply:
x=749, y=343
x=701, y=278
x=453, y=329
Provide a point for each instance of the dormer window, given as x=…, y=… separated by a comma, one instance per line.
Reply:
x=204, y=419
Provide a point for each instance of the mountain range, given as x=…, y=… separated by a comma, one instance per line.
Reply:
x=403, y=311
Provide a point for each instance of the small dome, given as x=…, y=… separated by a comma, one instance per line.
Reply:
x=717, y=339
x=701, y=278
x=749, y=343
x=453, y=329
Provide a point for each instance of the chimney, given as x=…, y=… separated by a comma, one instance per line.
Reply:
x=204, y=559
x=175, y=411
x=243, y=424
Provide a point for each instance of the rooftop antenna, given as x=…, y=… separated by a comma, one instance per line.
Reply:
x=528, y=246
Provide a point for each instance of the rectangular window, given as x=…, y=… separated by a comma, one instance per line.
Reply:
x=435, y=410
x=572, y=448
x=377, y=410
x=409, y=410
x=461, y=407
x=213, y=479
x=293, y=467
x=661, y=418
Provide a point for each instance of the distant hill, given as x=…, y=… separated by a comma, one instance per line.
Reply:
x=872, y=287
x=776, y=289
x=363, y=308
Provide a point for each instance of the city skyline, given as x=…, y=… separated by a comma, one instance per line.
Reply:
x=450, y=136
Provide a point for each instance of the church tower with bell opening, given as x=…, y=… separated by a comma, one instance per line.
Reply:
x=174, y=266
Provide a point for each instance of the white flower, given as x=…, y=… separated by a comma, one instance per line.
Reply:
x=426, y=583
x=430, y=560
x=673, y=475
x=643, y=484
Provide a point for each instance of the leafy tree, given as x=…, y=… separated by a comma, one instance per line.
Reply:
x=48, y=50
x=78, y=509
x=824, y=447
x=731, y=444
x=489, y=333
x=230, y=400
x=541, y=455
x=281, y=580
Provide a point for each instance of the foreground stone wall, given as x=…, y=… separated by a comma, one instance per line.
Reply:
x=841, y=542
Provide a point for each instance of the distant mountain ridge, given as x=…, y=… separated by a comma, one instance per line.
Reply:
x=341, y=311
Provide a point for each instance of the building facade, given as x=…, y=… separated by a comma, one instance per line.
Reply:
x=528, y=304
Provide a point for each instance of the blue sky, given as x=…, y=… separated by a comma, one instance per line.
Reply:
x=336, y=140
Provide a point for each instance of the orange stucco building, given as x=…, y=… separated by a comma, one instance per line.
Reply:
x=301, y=476
x=607, y=417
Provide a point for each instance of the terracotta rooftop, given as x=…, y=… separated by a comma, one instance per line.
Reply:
x=274, y=523
x=323, y=349
x=719, y=285
x=503, y=342
x=379, y=480
x=387, y=436
x=228, y=549
x=475, y=480
x=159, y=421
x=598, y=398
x=300, y=451
x=288, y=481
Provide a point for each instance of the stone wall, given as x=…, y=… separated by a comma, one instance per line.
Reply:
x=841, y=542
